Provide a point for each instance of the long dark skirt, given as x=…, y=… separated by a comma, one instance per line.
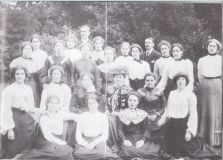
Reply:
x=24, y=134
x=178, y=147
x=101, y=151
x=210, y=110
x=42, y=149
x=136, y=84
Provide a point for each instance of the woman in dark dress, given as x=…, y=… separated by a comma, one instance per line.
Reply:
x=17, y=115
x=153, y=102
x=134, y=133
x=181, y=128
x=48, y=143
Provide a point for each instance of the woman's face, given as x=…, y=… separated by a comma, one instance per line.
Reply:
x=92, y=105
x=53, y=105
x=150, y=82
x=181, y=82
x=212, y=48
x=135, y=53
x=86, y=81
x=56, y=76
x=109, y=56
x=70, y=43
x=125, y=50
x=59, y=48
x=133, y=101
x=119, y=79
x=177, y=53
x=27, y=51
x=165, y=50
x=20, y=75
x=36, y=43
x=98, y=45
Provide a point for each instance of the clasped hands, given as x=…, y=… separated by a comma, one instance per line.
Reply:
x=139, y=143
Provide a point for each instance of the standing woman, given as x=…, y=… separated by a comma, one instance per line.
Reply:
x=98, y=52
x=177, y=65
x=210, y=94
x=104, y=68
x=138, y=67
x=38, y=55
x=17, y=106
x=163, y=61
x=181, y=121
x=28, y=62
x=58, y=59
x=70, y=51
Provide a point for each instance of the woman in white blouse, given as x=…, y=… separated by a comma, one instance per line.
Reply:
x=92, y=133
x=181, y=121
x=177, y=65
x=210, y=94
x=163, y=61
x=17, y=115
x=138, y=68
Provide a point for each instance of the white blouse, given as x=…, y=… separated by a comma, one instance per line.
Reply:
x=74, y=54
x=14, y=96
x=184, y=66
x=137, y=70
x=92, y=125
x=160, y=66
x=62, y=91
x=29, y=64
x=124, y=61
x=39, y=56
x=180, y=104
x=209, y=66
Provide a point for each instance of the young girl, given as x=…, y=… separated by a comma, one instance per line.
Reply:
x=92, y=134
x=17, y=111
x=98, y=52
x=48, y=144
x=210, y=94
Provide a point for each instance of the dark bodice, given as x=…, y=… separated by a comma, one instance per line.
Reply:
x=153, y=101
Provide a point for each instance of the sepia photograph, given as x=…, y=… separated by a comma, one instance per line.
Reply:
x=110, y=80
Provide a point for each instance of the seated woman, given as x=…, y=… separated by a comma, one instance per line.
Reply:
x=17, y=115
x=48, y=144
x=181, y=128
x=92, y=134
x=153, y=102
x=134, y=134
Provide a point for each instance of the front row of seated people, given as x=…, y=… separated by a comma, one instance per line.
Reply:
x=137, y=131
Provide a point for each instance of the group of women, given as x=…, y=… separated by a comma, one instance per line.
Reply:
x=83, y=103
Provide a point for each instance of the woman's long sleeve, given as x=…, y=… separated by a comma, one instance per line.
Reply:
x=6, y=119
x=162, y=104
x=190, y=72
x=163, y=82
x=79, y=137
x=146, y=134
x=193, y=117
x=120, y=130
x=199, y=70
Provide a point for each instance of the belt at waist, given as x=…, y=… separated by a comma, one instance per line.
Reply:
x=218, y=77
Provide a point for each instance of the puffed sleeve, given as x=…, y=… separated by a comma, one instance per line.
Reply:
x=6, y=119
x=193, y=118
x=156, y=70
x=190, y=72
x=30, y=102
x=199, y=70
x=163, y=82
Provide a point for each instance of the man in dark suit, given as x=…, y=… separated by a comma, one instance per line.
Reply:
x=85, y=36
x=150, y=55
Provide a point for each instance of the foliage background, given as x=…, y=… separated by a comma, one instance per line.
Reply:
x=188, y=23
